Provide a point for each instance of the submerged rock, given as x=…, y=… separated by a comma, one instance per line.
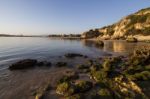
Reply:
x=83, y=86
x=44, y=63
x=81, y=66
x=42, y=91
x=73, y=55
x=69, y=76
x=61, y=64
x=23, y=64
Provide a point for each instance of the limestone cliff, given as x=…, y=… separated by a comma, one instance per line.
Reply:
x=131, y=25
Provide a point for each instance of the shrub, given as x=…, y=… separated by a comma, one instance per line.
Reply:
x=137, y=19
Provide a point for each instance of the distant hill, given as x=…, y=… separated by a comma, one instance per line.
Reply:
x=137, y=24
x=4, y=35
x=8, y=35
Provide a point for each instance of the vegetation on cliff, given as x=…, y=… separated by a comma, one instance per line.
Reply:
x=134, y=24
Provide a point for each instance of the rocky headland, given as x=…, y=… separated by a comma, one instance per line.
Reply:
x=136, y=25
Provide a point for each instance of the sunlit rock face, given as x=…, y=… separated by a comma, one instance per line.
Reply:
x=134, y=24
x=119, y=30
x=90, y=34
x=125, y=85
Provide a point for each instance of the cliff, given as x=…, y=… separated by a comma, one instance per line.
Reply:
x=137, y=24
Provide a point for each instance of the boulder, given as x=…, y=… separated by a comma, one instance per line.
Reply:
x=61, y=64
x=131, y=39
x=83, y=86
x=65, y=89
x=73, y=55
x=44, y=63
x=23, y=64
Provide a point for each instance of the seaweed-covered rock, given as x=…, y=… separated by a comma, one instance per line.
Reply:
x=141, y=76
x=83, y=86
x=65, y=89
x=95, y=67
x=104, y=92
x=23, y=64
x=99, y=76
x=124, y=87
x=68, y=77
x=90, y=62
x=76, y=96
x=107, y=65
x=42, y=91
x=61, y=64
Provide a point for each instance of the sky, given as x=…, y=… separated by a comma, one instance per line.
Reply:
x=40, y=17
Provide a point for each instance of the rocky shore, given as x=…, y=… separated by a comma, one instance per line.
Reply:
x=135, y=25
x=110, y=77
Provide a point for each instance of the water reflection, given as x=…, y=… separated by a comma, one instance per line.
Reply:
x=16, y=48
x=91, y=43
x=114, y=46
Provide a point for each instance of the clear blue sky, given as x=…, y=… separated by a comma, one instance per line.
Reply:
x=63, y=16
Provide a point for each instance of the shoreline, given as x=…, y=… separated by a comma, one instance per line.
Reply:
x=51, y=73
x=140, y=38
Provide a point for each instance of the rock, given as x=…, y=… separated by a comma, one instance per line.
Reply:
x=47, y=63
x=131, y=39
x=69, y=76
x=82, y=67
x=73, y=55
x=76, y=96
x=83, y=86
x=99, y=76
x=40, y=63
x=65, y=89
x=90, y=34
x=104, y=92
x=100, y=43
x=23, y=64
x=136, y=24
x=42, y=91
x=44, y=63
x=61, y=64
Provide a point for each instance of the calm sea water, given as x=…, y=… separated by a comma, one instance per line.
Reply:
x=16, y=48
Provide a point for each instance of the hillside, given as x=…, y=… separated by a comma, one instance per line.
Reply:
x=137, y=24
